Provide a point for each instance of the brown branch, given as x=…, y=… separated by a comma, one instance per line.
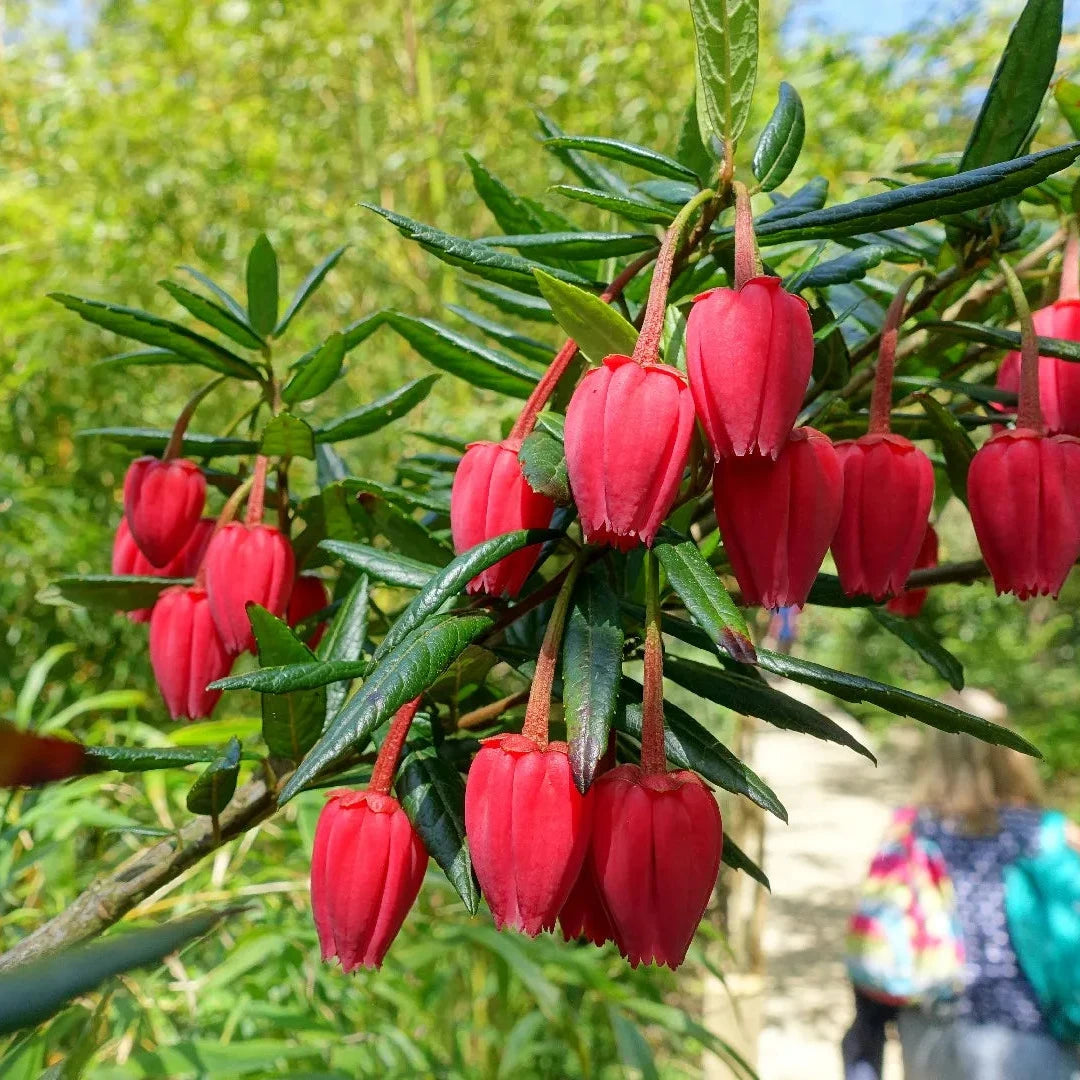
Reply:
x=488, y=713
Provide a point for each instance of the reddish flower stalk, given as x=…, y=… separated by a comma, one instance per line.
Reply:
x=1029, y=412
x=881, y=398
x=257, y=498
x=1070, y=267
x=747, y=262
x=176, y=439
x=532, y=408
x=647, y=349
x=382, y=775
x=653, y=759
x=537, y=711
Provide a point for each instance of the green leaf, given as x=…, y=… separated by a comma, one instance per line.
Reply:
x=1011, y=106
x=317, y=372
x=121, y=592
x=480, y=259
x=832, y=362
x=408, y=667
x=227, y=300
x=811, y=196
x=153, y=330
x=381, y=565
x=1067, y=96
x=734, y=856
x=288, y=436
x=826, y=592
x=513, y=213
x=438, y=502
x=141, y=358
x=31, y=993
x=955, y=442
x=290, y=722
x=285, y=678
x=893, y=699
x=691, y=149
x=943, y=197
x=467, y=359
x=220, y=318
x=752, y=696
x=726, y=35
x=453, y=578
x=588, y=171
x=598, y=328
x=432, y=793
x=538, y=351
x=635, y=1054
x=146, y=758
x=210, y=794
x=708, y=602
x=1004, y=339
x=359, y=331
x=154, y=441
x=308, y=288
x=690, y=745
x=641, y=157
x=576, y=245
x=344, y=639
x=262, y=286
x=927, y=647
x=592, y=655
x=544, y=465
x=511, y=302
x=376, y=415
x=630, y=207
x=781, y=142
x=846, y=268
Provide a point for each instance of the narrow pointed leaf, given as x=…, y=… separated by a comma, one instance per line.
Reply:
x=734, y=856
x=376, y=415
x=220, y=318
x=344, y=640
x=120, y=592
x=213, y=790
x=437, y=502
x=630, y=207
x=726, y=36
x=575, y=246
x=781, y=142
x=839, y=271
x=317, y=372
x=388, y=567
x=154, y=441
x=588, y=171
x=513, y=213
x=597, y=328
x=538, y=351
x=147, y=758
x=641, y=157
x=1005, y=339
x=927, y=647
x=691, y=149
x=511, y=302
x=811, y=196
x=262, y=286
x=285, y=678
x=308, y=287
x=227, y=300
x=956, y=444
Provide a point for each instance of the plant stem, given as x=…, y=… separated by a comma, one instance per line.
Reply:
x=382, y=775
x=881, y=398
x=747, y=261
x=532, y=408
x=254, y=514
x=538, y=710
x=653, y=759
x=176, y=439
x=1070, y=266
x=647, y=349
x=1029, y=413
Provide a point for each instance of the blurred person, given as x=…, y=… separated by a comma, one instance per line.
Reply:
x=995, y=869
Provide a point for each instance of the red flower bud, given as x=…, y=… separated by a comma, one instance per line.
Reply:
x=490, y=497
x=128, y=559
x=1024, y=497
x=656, y=844
x=749, y=353
x=628, y=430
x=779, y=517
x=584, y=914
x=528, y=829
x=186, y=652
x=366, y=869
x=162, y=503
x=308, y=596
x=246, y=563
x=910, y=601
x=888, y=489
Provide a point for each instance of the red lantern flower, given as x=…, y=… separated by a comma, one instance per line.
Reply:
x=308, y=596
x=186, y=652
x=749, y=352
x=584, y=915
x=528, y=829
x=628, y=431
x=366, y=869
x=779, y=517
x=910, y=602
x=1024, y=497
x=888, y=490
x=128, y=559
x=162, y=503
x=244, y=564
x=490, y=497
x=656, y=843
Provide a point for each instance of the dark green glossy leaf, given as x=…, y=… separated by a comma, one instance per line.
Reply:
x=146, y=758
x=220, y=318
x=640, y=157
x=832, y=362
x=450, y=351
x=432, y=793
x=407, y=668
x=344, y=639
x=1005, y=339
x=288, y=436
x=435, y=501
x=291, y=722
x=597, y=328
x=141, y=358
x=228, y=301
x=709, y=603
x=592, y=655
x=974, y=391
x=956, y=444
x=284, y=678
x=262, y=286
x=734, y=856
x=381, y=565
x=674, y=193
x=630, y=207
x=213, y=790
x=153, y=330
x=576, y=245
x=590, y=172
x=846, y=268
x=513, y=213
x=538, y=351
x=368, y=418
x=317, y=372
x=154, y=440
x=927, y=647
x=726, y=36
x=544, y=464
x=690, y=148
x=31, y=993
x=123, y=592
x=1011, y=106
x=811, y=196
x=359, y=331
x=511, y=302
x=781, y=142
x=308, y=288
x=893, y=699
